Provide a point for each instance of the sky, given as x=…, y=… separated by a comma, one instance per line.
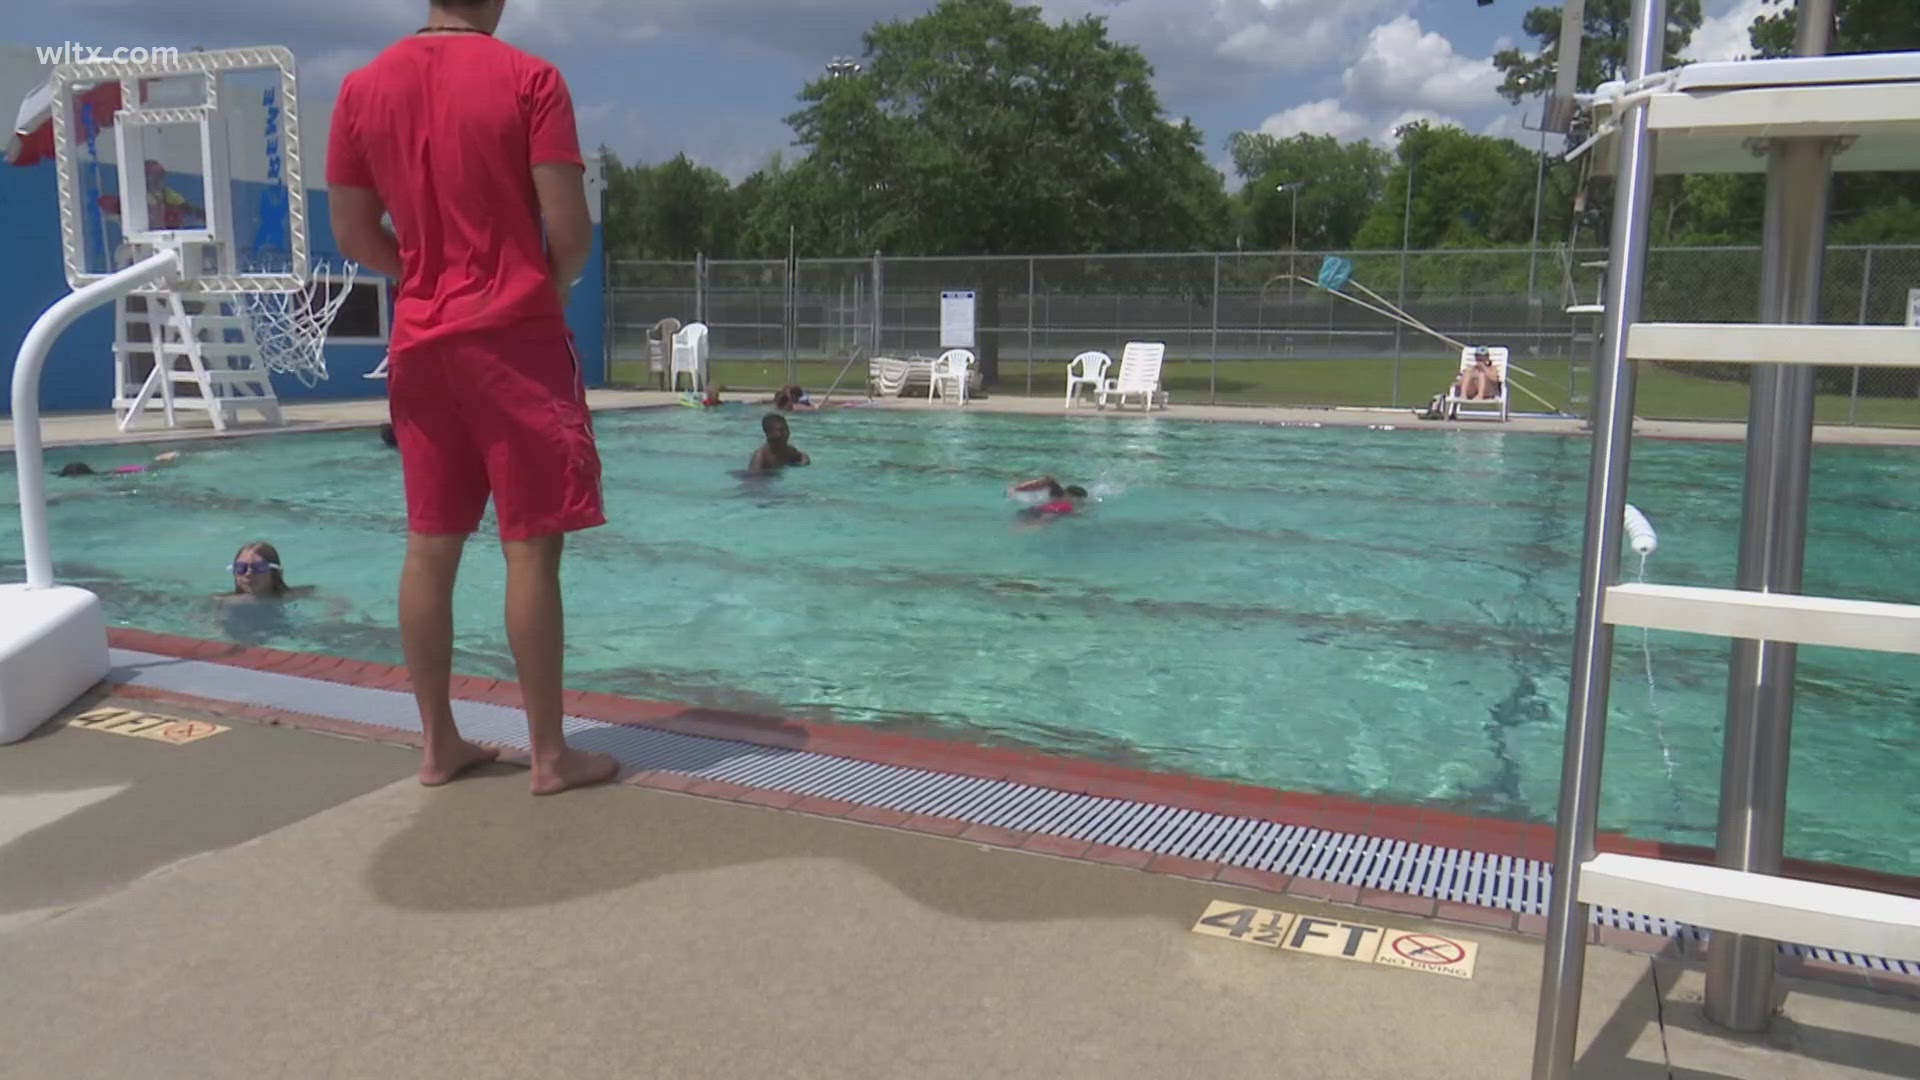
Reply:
x=714, y=79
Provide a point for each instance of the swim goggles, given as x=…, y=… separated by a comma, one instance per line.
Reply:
x=255, y=566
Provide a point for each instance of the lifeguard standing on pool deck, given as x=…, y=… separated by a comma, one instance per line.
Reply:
x=469, y=144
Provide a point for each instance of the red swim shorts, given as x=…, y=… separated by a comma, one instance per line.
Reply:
x=501, y=414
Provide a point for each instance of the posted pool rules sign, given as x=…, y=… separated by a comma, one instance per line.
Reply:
x=1359, y=943
x=956, y=319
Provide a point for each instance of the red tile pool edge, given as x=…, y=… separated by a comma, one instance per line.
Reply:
x=1413, y=824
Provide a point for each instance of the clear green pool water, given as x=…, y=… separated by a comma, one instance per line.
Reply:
x=1379, y=614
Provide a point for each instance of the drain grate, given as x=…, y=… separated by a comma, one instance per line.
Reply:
x=1370, y=862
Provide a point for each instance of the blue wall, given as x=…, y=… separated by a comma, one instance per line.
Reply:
x=78, y=376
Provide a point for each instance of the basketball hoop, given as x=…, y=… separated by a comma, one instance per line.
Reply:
x=290, y=328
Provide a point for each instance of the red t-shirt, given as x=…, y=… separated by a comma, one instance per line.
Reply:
x=447, y=129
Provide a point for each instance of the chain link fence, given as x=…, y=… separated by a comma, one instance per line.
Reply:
x=1251, y=327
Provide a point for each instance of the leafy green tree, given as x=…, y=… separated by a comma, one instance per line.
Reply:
x=980, y=128
x=1858, y=26
x=1867, y=207
x=1468, y=191
x=1603, y=45
x=1342, y=182
x=674, y=210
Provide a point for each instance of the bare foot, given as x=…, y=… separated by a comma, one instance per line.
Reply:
x=442, y=767
x=575, y=768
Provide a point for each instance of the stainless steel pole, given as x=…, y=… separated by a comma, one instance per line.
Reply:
x=1866, y=291
x=1030, y=284
x=1213, y=348
x=1406, y=241
x=1556, y=1034
x=1773, y=542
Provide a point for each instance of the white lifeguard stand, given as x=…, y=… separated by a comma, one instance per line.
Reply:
x=1799, y=119
x=175, y=114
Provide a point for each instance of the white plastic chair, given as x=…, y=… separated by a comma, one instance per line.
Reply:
x=1139, y=375
x=689, y=356
x=950, y=372
x=1493, y=408
x=1093, y=369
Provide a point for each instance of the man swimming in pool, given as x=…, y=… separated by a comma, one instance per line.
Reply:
x=1059, y=500
x=776, y=453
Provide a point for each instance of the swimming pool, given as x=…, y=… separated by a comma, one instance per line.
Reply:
x=1380, y=614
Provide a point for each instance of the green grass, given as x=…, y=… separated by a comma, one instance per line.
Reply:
x=1662, y=394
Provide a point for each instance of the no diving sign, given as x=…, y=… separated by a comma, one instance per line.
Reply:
x=1338, y=939
x=1428, y=952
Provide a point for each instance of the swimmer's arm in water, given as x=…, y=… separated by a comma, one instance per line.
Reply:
x=762, y=460
x=1043, y=483
x=798, y=457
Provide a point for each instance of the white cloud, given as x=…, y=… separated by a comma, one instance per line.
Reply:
x=1724, y=36
x=1509, y=125
x=1390, y=132
x=1323, y=117
x=1403, y=65
x=735, y=147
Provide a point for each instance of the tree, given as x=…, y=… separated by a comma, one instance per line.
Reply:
x=1866, y=206
x=980, y=128
x=675, y=210
x=1603, y=45
x=1858, y=26
x=1342, y=184
x=1468, y=191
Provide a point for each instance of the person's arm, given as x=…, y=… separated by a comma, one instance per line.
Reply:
x=355, y=205
x=562, y=190
x=758, y=462
x=1039, y=484
x=559, y=178
x=358, y=233
x=802, y=458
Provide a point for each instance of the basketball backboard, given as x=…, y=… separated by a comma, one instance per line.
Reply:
x=195, y=149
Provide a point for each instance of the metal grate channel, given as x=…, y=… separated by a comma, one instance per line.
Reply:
x=1370, y=862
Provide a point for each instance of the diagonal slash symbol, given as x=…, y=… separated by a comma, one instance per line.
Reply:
x=1439, y=949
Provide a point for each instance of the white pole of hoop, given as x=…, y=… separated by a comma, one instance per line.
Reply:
x=26, y=398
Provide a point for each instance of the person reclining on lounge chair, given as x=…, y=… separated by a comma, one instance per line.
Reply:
x=1481, y=382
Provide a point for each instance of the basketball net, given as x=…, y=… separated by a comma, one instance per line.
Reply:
x=290, y=328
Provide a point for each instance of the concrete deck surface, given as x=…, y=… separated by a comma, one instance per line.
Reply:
x=70, y=429
x=331, y=923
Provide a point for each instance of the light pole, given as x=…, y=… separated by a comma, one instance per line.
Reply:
x=1292, y=188
x=1406, y=243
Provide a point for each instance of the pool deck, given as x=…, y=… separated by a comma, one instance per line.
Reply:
x=281, y=899
x=71, y=429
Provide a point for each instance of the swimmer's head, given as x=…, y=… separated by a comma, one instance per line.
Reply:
x=256, y=570
x=1075, y=491
x=76, y=468
x=775, y=427
x=387, y=436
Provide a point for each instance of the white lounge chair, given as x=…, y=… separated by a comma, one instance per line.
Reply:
x=887, y=375
x=1494, y=408
x=1092, y=368
x=891, y=376
x=689, y=357
x=1139, y=376
x=949, y=376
